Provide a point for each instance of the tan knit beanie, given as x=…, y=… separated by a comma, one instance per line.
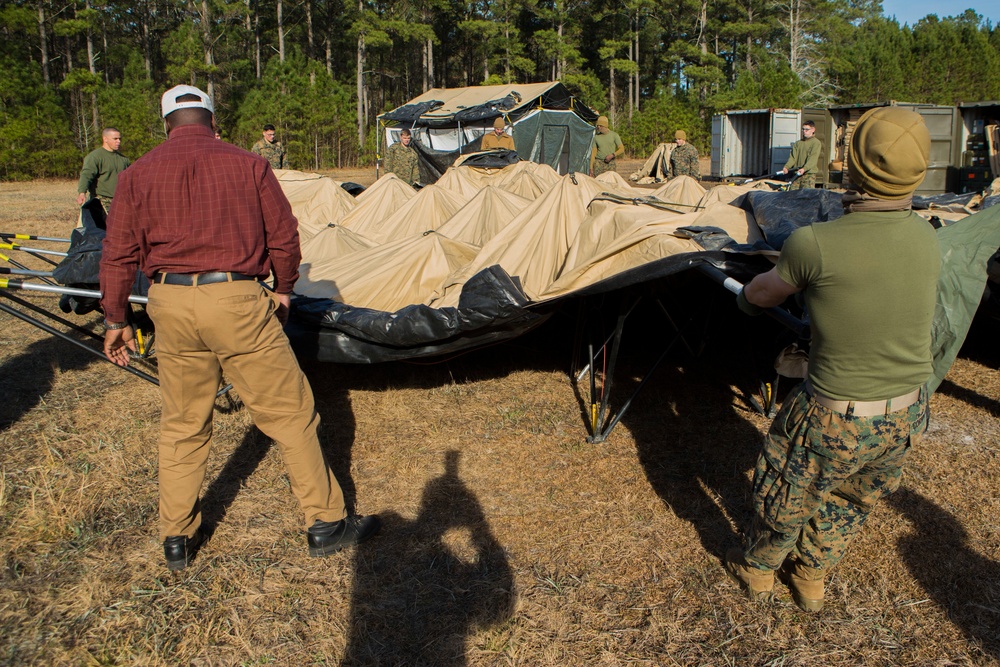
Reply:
x=681, y=134
x=890, y=149
x=602, y=121
x=498, y=124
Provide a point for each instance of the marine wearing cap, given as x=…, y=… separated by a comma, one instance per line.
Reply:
x=498, y=139
x=605, y=149
x=684, y=158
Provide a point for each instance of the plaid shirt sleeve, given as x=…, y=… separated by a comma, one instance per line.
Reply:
x=281, y=232
x=120, y=253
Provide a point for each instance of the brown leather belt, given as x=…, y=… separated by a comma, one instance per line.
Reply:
x=195, y=279
x=865, y=408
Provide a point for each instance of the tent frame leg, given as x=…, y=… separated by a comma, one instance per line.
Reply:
x=600, y=424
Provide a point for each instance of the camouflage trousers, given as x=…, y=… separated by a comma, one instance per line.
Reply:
x=600, y=166
x=820, y=475
x=804, y=182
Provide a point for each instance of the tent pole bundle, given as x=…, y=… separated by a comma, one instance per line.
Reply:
x=48, y=286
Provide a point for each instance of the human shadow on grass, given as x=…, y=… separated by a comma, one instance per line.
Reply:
x=964, y=583
x=26, y=378
x=422, y=586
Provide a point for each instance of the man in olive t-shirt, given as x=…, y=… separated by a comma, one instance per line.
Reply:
x=804, y=158
x=605, y=149
x=840, y=440
x=99, y=176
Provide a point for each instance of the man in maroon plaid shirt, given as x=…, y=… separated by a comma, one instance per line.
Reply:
x=206, y=221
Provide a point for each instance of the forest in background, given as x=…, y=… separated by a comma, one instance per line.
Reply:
x=322, y=70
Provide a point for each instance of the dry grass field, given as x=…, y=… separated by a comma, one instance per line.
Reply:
x=507, y=538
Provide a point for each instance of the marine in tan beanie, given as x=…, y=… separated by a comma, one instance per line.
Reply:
x=890, y=149
x=498, y=139
x=869, y=282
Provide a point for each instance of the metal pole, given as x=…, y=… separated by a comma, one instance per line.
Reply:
x=56, y=289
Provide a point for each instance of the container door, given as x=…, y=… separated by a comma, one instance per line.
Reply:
x=718, y=134
x=942, y=122
x=785, y=125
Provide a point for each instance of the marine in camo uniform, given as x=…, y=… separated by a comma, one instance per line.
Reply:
x=684, y=158
x=840, y=440
x=804, y=158
x=605, y=149
x=401, y=159
x=270, y=149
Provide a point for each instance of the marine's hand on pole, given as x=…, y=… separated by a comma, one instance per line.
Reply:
x=118, y=344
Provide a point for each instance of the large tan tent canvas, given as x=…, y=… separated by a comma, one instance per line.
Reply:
x=316, y=200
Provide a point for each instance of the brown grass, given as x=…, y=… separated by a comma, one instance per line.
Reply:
x=508, y=540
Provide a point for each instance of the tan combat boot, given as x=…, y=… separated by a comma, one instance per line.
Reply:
x=757, y=584
x=806, y=584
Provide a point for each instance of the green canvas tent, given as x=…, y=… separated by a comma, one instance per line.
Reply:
x=549, y=125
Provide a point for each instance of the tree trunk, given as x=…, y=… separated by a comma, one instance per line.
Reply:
x=329, y=55
x=147, y=42
x=206, y=42
x=431, y=83
x=93, y=72
x=309, y=28
x=281, y=33
x=361, y=89
x=611, y=111
x=43, y=43
x=423, y=66
x=631, y=80
x=637, y=60
x=560, y=58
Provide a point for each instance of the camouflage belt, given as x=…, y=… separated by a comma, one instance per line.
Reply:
x=865, y=408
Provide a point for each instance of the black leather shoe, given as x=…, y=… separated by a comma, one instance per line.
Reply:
x=180, y=550
x=329, y=537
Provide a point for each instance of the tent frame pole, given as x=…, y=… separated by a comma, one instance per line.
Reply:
x=80, y=344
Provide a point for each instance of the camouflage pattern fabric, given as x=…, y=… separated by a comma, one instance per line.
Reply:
x=820, y=475
x=273, y=153
x=600, y=166
x=804, y=182
x=402, y=161
x=684, y=162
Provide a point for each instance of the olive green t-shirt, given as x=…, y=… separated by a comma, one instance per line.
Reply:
x=606, y=143
x=99, y=174
x=805, y=155
x=870, y=282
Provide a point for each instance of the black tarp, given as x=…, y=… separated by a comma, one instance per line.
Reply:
x=409, y=113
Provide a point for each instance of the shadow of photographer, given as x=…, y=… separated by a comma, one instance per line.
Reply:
x=424, y=585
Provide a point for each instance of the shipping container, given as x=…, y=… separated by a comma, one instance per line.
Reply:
x=835, y=124
x=976, y=119
x=754, y=142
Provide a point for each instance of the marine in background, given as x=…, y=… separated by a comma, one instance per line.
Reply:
x=270, y=148
x=498, y=138
x=605, y=149
x=804, y=159
x=684, y=158
x=401, y=159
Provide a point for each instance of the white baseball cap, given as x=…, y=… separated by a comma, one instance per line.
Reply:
x=169, y=103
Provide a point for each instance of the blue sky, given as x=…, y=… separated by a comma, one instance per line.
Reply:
x=911, y=11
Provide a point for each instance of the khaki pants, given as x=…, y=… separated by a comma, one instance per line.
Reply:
x=231, y=327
